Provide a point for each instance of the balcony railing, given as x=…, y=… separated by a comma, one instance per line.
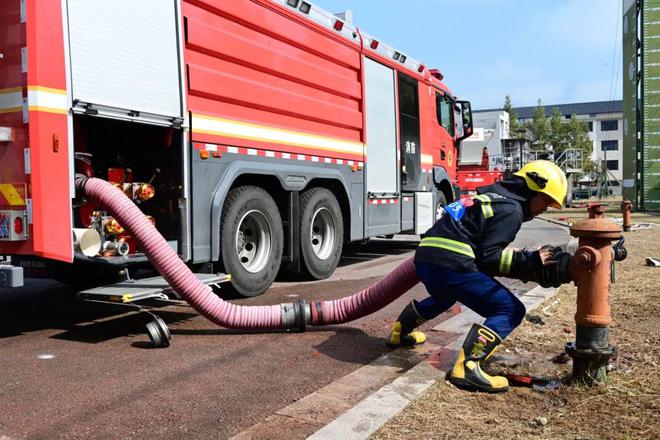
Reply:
x=570, y=160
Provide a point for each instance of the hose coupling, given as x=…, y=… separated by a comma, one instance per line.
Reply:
x=554, y=275
x=295, y=316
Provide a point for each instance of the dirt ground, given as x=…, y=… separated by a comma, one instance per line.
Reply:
x=627, y=407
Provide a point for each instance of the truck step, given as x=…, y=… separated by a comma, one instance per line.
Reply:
x=145, y=288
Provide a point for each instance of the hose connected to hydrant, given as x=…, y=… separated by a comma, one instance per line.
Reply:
x=200, y=296
x=590, y=269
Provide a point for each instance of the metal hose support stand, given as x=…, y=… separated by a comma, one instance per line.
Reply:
x=203, y=300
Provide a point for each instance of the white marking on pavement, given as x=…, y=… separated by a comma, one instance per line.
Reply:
x=46, y=356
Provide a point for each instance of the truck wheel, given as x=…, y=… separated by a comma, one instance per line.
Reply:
x=440, y=203
x=251, y=240
x=321, y=233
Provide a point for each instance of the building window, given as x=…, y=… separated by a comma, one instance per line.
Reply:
x=609, y=145
x=612, y=165
x=610, y=125
x=590, y=126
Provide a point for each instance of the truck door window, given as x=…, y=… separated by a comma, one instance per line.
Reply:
x=409, y=133
x=444, y=112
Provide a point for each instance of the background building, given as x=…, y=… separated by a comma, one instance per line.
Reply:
x=605, y=122
x=641, y=97
x=490, y=129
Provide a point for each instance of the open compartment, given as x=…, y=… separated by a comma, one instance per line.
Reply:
x=146, y=163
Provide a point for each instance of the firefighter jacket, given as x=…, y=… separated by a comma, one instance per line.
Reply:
x=476, y=231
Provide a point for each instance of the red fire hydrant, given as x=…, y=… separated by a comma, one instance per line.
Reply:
x=591, y=269
x=626, y=209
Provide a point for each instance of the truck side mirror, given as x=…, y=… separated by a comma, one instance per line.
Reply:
x=466, y=112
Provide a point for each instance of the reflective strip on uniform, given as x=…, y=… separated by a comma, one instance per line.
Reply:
x=486, y=209
x=450, y=245
x=505, y=261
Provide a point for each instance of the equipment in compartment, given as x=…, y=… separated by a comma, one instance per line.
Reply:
x=142, y=161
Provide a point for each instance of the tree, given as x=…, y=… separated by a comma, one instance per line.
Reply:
x=557, y=137
x=577, y=136
x=514, y=123
x=539, y=127
x=555, y=133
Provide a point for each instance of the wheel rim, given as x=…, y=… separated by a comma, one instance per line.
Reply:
x=322, y=234
x=253, y=241
x=439, y=211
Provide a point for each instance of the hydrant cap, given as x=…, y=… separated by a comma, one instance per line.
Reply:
x=596, y=228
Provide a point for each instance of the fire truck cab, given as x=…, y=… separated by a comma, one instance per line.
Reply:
x=257, y=136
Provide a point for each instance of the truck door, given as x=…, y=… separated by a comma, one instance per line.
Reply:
x=383, y=214
x=411, y=165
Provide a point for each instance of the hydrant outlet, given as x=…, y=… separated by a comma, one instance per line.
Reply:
x=587, y=257
x=596, y=210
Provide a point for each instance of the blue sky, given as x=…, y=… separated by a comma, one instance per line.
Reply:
x=561, y=51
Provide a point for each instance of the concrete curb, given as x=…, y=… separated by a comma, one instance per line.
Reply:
x=311, y=413
x=367, y=416
x=358, y=404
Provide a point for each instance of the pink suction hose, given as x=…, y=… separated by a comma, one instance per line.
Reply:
x=225, y=314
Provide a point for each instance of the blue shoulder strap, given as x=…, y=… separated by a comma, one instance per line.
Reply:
x=456, y=210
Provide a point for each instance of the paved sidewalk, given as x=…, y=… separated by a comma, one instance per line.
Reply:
x=373, y=412
x=358, y=404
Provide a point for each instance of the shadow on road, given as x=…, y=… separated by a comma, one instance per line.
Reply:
x=357, y=253
x=45, y=304
x=352, y=345
x=88, y=322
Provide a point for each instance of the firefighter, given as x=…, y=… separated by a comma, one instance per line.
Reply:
x=457, y=258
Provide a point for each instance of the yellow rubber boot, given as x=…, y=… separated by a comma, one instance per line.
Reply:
x=467, y=373
x=403, y=334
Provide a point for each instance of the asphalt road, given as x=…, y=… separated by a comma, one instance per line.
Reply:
x=72, y=369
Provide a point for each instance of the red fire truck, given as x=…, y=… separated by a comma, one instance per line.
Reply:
x=472, y=176
x=257, y=135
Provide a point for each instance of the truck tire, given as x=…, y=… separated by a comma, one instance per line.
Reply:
x=440, y=201
x=251, y=240
x=321, y=233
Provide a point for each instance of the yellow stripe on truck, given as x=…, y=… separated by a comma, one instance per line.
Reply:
x=244, y=130
x=47, y=99
x=11, y=100
x=11, y=195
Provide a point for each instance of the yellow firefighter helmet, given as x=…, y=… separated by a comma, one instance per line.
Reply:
x=545, y=177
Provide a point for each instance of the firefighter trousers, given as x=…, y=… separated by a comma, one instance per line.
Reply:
x=476, y=290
